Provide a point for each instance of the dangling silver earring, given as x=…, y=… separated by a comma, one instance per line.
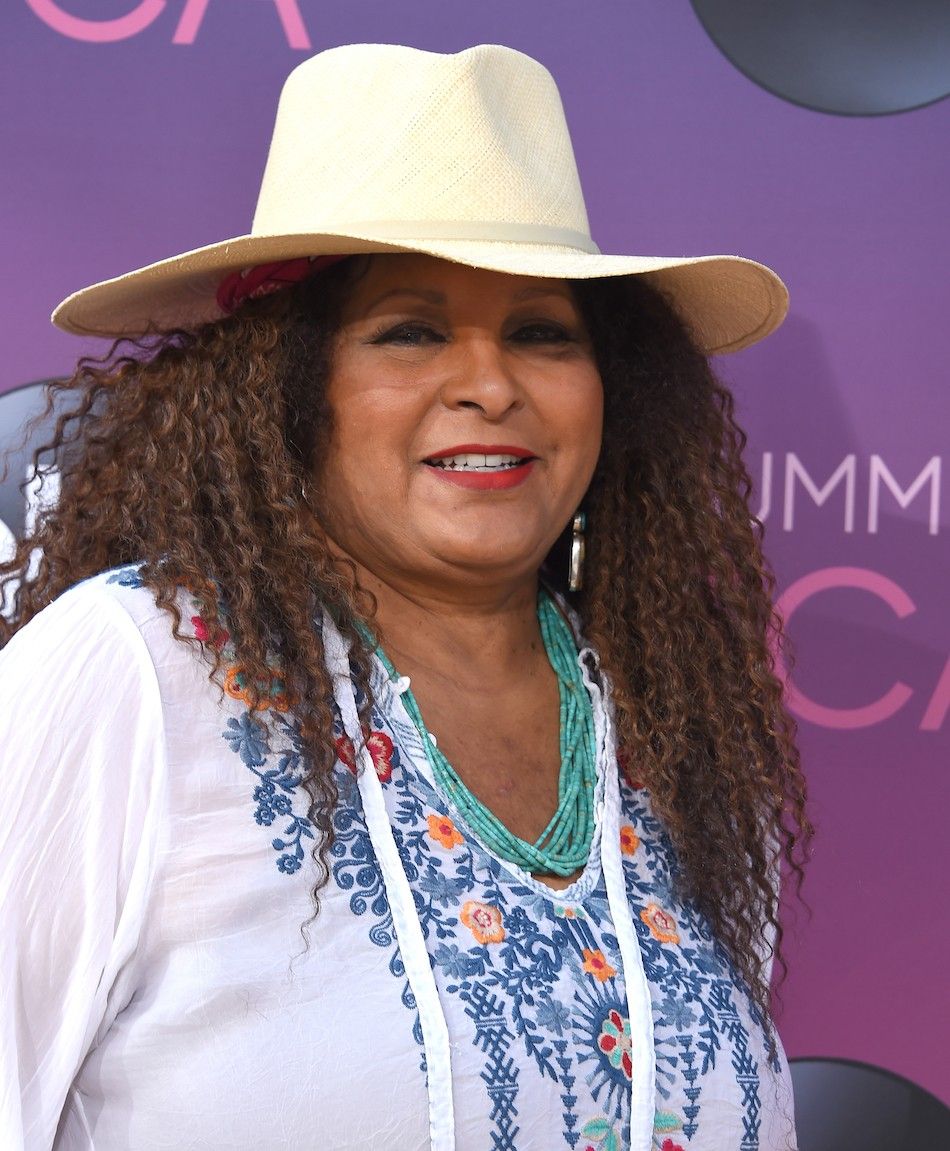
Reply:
x=575, y=574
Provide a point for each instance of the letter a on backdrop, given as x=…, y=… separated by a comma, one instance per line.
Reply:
x=145, y=13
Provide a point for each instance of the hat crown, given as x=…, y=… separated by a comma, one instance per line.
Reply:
x=464, y=157
x=423, y=144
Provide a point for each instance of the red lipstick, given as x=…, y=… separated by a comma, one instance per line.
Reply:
x=474, y=480
x=483, y=449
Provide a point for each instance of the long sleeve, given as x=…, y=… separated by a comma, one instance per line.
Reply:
x=82, y=777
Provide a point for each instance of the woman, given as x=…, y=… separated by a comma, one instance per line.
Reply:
x=323, y=521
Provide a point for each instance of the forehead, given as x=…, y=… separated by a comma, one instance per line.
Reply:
x=442, y=280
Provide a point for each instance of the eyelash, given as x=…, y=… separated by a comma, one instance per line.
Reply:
x=553, y=333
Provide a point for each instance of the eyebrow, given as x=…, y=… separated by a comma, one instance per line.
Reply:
x=536, y=293
x=431, y=296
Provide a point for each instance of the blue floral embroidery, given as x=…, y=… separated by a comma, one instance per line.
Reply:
x=593, y=1007
x=250, y=739
x=694, y=988
x=520, y=976
x=443, y=890
x=128, y=576
x=553, y=1016
x=355, y=868
x=494, y=1039
x=457, y=964
x=692, y=984
x=527, y=992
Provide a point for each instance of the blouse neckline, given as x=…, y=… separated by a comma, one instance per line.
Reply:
x=389, y=697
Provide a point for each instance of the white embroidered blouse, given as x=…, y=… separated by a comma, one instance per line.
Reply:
x=165, y=985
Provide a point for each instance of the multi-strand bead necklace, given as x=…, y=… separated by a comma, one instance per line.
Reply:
x=564, y=845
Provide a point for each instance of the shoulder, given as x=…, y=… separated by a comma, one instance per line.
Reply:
x=87, y=642
x=83, y=768
x=118, y=592
x=98, y=631
x=88, y=610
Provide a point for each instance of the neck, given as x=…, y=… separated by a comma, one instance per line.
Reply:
x=476, y=635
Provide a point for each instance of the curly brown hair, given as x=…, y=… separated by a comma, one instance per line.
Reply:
x=186, y=452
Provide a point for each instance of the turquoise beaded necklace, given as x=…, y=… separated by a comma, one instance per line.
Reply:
x=564, y=845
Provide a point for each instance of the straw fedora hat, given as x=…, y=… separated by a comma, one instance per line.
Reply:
x=467, y=157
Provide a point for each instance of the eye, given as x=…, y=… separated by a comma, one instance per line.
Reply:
x=412, y=334
x=542, y=332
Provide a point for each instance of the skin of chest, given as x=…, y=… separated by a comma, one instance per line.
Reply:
x=504, y=744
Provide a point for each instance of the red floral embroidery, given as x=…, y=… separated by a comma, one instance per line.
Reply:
x=380, y=749
x=623, y=762
x=203, y=634
x=669, y=1145
x=615, y=1042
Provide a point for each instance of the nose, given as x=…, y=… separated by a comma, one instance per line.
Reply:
x=481, y=376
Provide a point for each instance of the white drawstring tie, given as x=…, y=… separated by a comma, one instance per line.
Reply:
x=408, y=930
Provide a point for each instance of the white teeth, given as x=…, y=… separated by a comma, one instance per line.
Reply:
x=476, y=462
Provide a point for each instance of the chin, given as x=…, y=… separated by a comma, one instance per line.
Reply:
x=509, y=545
x=509, y=563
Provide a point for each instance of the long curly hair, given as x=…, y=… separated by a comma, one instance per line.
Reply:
x=186, y=452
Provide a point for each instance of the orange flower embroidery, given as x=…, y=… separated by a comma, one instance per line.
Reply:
x=595, y=963
x=483, y=920
x=234, y=682
x=662, y=925
x=236, y=686
x=444, y=831
x=569, y=912
x=629, y=840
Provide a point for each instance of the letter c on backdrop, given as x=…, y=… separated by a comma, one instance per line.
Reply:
x=97, y=31
x=845, y=577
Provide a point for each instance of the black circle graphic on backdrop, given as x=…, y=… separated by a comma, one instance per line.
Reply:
x=842, y=1103
x=17, y=408
x=847, y=57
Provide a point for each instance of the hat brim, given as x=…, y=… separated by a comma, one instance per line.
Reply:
x=728, y=302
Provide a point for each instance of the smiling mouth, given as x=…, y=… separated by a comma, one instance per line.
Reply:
x=479, y=462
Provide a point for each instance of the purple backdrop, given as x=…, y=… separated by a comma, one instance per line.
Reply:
x=135, y=129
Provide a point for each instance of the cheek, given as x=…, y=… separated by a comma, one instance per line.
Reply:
x=595, y=418
x=370, y=442
x=340, y=470
x=581, y=419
